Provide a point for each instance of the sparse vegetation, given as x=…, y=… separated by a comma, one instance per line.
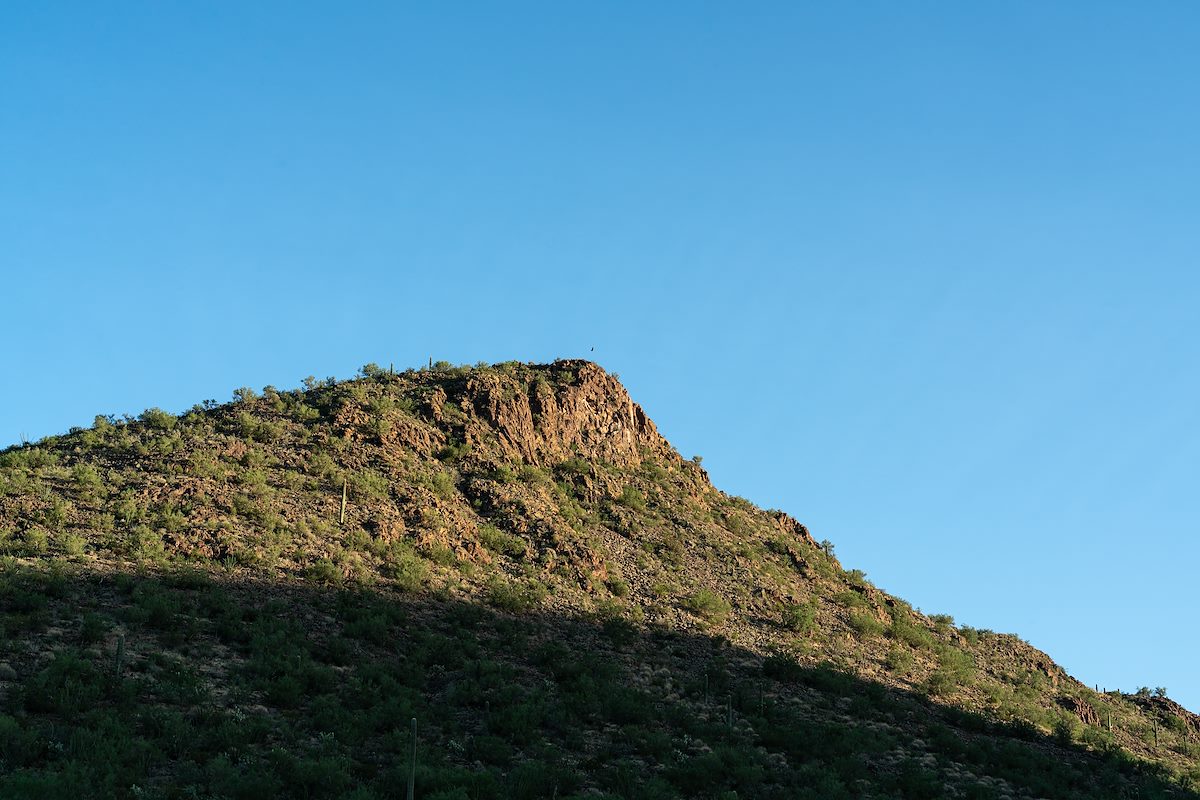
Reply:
x=184, y=610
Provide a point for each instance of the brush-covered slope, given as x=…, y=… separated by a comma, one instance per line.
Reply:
x=256, y=599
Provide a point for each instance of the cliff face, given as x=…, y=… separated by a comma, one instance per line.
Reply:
x=443, y=535
x=586, y=412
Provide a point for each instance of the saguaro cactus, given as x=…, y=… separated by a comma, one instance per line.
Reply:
x=412, y=767
x=119, y=657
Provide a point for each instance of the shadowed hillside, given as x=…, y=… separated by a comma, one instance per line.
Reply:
x=254, y=599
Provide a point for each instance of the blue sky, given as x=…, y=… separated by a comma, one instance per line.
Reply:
x=922, y=274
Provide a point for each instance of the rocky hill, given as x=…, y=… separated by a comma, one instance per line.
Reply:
x=256, y=599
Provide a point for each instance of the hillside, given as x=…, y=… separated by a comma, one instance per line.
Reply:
x=254, y=599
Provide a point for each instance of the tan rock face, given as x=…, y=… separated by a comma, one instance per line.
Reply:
x=1082, y=709
x=590, y=413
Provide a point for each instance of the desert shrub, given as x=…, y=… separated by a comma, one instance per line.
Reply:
x=955, y=668
x=958, y=662
x=617, y=586
x=856, y=577
x=670, y=549
x=633, y=499
x=454, y=451
x=799, y=617
x=500, y=542
x=575, y=467
x=369, y=485
x=851, y=599
x=903, y=630
x=374, y=371
x=71, y=543
x=940, y=683
x=86, y=478
x=865, y=624
x=532, y=475
x=442, y=484
x=56, y=515
x=322, y=465
x=439, y=553
x=28, y=458
x=157, y=419
x=516, y=596
x=503, y=474
x=709, y=606
x=35, y=542
x=68, y=685
x=169, y=518
x=1064, y=731
x=899, y=661
x=127, y=509
x=323, y=571
x=737, y=525
x=405, y=567
x=253, y=428
x=92, y=628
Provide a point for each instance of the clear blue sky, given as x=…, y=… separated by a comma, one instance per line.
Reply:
x=922, y=274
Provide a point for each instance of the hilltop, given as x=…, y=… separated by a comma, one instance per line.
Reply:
x=255, y=598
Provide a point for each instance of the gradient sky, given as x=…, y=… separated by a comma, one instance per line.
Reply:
x=923, y=274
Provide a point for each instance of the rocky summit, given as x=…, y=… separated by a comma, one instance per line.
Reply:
x=496, y=581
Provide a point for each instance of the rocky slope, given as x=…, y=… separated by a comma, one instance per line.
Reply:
x=255, y=599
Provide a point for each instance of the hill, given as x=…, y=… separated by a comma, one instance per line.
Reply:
x=256, y=599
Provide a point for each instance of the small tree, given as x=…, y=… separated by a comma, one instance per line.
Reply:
x=372, y=370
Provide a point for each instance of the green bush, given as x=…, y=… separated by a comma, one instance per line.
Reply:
x=516, y=596
x=92, y=628
x=405, y=567
x=799, y=617
x=86, y=478
x=1064, y=731
x=442, y=484
x=940, y=683
x=633, y=499
x=36, y=542
x=856, y=577
x=865, y=624
x=904, y=630
x=852, y=599
x=617, y=586
x=899, y=661
x=454, y=452
x=71, y=543
x=324, y=571
x=157, y=419
x=369, y=485
x=709, y=606
x=500, y=542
